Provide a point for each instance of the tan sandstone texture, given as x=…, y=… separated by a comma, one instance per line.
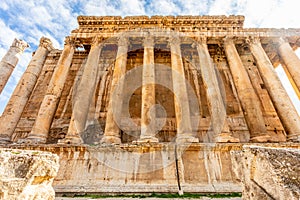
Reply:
x=27, y=175
x=268, y=173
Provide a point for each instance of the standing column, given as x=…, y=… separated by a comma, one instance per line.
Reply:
x=84, y=94
x=181, y=101
x=114, y=110
x=290, y=59
x=10, y=60
x=148, y=93
x=21, y=94
x=249, y=100
x=40, y=130
x=280, y=98
x=219, y=126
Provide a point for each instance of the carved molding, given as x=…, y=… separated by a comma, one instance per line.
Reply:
x=252, y=40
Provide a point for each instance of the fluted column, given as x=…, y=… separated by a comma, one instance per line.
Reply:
x=290, y=59
x=219, y=127
x=114, y=110
x=280, y=98
x=84, y=94
x=148, y=93
x=181, y=101
x=10, y=60
x=21, y=94
x=248, y=98
x=40, y=130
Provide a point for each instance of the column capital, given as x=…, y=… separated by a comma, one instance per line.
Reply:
x=20, y=44
x=97, y=40
x=174, y=39
x=228, y=40
x=70, y=41
x=46, y=43
x=149, y=41
x=202, y=39
x=123, y=40
x=252, y=40
x=281, y=40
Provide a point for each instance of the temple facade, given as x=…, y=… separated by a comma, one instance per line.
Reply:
x=163, y=80
x=117, y=79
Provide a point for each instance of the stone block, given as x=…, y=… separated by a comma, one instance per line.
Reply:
x=27, y=174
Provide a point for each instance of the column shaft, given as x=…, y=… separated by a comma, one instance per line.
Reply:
x=248, y=98
x=114, y=110
x=290, y=59
x=84, y=94
x=21, y=94
x=219, y=131
x=10, y=60
x=40, y=130
x=148, y=94
x=280, y=98
x=181, y=101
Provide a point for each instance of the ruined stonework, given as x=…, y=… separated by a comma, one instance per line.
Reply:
x=27, y=174
x=179, y=93
x=268, y=172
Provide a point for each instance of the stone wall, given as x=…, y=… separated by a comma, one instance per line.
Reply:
x=155, y=168
x=27, y=174
x=268, y=172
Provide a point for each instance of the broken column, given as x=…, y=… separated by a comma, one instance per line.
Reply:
x=285, y=109
x=84, y=95
x=10, y=60
x=290, y=59
x=249, y=100
x=20, y=96
x=148, y=93
x=181, y=101
x=40, y=130
x=219, y=131
x=114, y=110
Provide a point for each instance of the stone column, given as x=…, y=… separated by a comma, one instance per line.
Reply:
x=290, y=59
x=21, y=94
x=84, y=94
x=249, y=100
x=10, y=60
x=40, y=130
x=148, y=93
x=219, y=127
x=280, y=98
x=181, y=101
x=114, y=110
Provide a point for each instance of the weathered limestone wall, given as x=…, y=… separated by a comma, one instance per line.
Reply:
x=268, y=172
x=166, y=168
x=199, y=168
x=27, y=174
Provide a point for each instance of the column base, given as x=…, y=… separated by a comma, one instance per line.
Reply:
x=226, y=137
x=110, y=140
x=293, y=138
x=261, y=138
x=33, y=139
x=147, y=139
x=71, y=140
x=186, y=139
x=5, y=140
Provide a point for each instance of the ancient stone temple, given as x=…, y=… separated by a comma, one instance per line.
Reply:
x=155, y=104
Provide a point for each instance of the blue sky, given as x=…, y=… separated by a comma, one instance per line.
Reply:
x=31, y=19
